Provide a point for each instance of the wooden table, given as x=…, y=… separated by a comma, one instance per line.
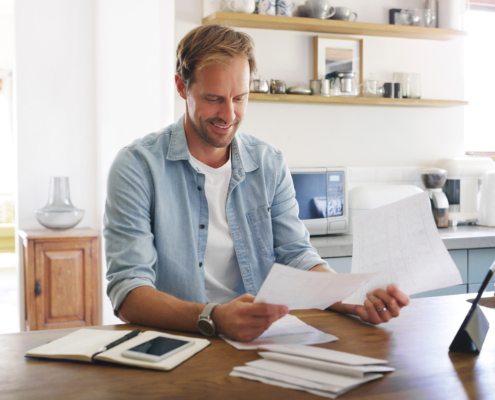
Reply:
x=416, y=344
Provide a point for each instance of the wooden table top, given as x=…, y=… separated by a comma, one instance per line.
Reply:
x=416, y=344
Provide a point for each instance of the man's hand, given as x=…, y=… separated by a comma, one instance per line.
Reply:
x=244, y=321
x=389, y=303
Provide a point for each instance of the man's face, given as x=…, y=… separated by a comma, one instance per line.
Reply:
x=217, y=101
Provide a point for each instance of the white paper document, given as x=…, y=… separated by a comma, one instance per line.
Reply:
x=338, y=382
x=400, y=242
x=317, y=353
x=299, y=289
x=324, y=372
x=288, y=382
x=357, y=371
x=287, y=330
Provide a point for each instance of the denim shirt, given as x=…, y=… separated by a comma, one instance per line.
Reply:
x=156, y=216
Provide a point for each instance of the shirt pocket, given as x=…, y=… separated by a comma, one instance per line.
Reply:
x=260, y=223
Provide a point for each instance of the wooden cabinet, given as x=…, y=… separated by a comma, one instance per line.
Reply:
x=61, y=271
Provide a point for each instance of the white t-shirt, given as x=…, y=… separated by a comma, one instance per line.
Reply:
x=223, y=280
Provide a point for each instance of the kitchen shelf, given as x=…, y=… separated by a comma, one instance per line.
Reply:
x=329, y=26
x=367, y=101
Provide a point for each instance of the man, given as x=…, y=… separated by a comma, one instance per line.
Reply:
x=199, y=212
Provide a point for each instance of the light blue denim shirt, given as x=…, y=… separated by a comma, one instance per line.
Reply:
x=156, y=216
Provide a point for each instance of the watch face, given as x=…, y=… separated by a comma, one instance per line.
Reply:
x=206, y=327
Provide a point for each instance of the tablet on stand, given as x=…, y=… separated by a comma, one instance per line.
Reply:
x=472, y=333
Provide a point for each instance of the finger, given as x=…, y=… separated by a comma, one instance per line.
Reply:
x=372, y=314
x=401, y=297
x=246, y=298
x=380, y=307
x=261, y=310
x=389, y=302
x=377, y=301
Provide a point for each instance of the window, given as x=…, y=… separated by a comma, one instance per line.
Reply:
x=479, y=79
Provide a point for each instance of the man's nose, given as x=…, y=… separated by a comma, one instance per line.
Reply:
x=227, y=112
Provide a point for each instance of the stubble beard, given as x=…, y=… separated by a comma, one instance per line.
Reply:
x=202, y=131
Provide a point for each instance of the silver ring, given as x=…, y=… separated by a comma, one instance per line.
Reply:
x=381, y=309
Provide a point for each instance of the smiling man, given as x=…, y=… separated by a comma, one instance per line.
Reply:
x=198, y=213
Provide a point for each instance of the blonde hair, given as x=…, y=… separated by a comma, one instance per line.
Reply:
x=212, y=44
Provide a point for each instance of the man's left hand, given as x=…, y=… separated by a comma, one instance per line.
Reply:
x=380, y=305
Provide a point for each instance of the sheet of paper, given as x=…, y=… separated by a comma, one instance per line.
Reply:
x=400, y=241
x=299, y=289
x=272, y=378
x=287, y=330
x=341, y=369
x=83, y=342
x=328, y=355
x=326, y=378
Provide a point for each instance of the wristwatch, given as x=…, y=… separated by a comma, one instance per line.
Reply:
x=205, y=324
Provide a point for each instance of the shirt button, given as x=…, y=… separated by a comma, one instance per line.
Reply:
x=269, y=209
x=201, y=226
x=200, y=264
x=200, y=188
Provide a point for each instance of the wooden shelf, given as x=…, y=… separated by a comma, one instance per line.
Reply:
x=367, y=101
x=329, y=26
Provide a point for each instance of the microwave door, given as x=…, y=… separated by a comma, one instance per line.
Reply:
x=311, y=197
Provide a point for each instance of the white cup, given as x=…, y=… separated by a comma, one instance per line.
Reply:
x=319, y=9
x=242, y=6
x=344, y=14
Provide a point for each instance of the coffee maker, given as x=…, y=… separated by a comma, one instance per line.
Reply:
x=434, y=179
x=463, y=185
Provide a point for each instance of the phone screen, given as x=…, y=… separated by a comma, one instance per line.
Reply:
x=159, y=346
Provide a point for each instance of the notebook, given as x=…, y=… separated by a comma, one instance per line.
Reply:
x=82, y=344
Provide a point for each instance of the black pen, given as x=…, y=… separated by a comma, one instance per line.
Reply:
x=130, y=335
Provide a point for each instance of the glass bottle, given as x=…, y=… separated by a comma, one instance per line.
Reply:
x=59, y=213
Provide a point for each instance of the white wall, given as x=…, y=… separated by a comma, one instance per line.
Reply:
x=326, y=135
x=91, y=76
x=7, y=180
x=6, y=34
x=55, y=104
x=135, y=58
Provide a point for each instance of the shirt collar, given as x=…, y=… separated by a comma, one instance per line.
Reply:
x=178, y=150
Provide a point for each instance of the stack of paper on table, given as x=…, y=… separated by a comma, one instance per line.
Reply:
x=287, y=330
x=82, y=344
x=327, y=373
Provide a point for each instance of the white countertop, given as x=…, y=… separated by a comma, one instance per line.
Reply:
x=460, y=237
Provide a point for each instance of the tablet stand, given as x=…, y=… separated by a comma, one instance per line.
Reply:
x=473, y=330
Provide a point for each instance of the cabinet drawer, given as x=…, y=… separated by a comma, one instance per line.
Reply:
x=479, y=261
x=460, y=258
x=341, y=265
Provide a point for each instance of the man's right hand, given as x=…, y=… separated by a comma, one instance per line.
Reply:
x=244, y=321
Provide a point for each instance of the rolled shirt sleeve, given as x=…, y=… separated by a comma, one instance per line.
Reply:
x=129, y=241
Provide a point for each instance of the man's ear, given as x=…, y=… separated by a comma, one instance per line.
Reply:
x=181, y=86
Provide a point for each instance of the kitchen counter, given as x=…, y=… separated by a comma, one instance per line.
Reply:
x=460, y=237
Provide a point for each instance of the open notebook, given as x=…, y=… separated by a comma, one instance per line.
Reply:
x=82, y=344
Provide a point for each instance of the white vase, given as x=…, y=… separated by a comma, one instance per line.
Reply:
x=59, y=213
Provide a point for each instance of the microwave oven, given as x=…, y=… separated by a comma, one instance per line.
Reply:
x=321, y=194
